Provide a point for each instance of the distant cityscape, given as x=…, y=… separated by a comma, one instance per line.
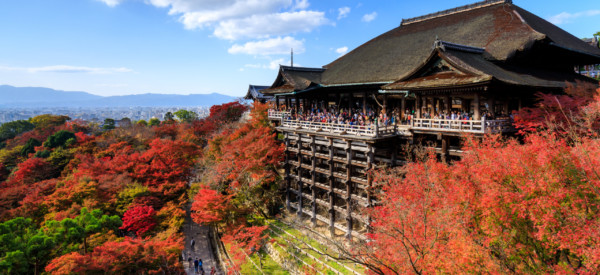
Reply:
x=97, y=114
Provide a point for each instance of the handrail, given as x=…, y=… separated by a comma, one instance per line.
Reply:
x=376, y=130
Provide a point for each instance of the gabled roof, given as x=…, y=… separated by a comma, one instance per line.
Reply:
x=500, y=27
x=290, y=79
x=254, y=92
x=451, y=65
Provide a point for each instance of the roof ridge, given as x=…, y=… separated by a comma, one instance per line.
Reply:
x=458, y=47
x=464, y=8
x=306, y=69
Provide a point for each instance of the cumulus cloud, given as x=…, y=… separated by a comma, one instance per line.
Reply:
x=343, y=12
x=369, y=17
x=111, y=3
x=271, y=46
x=68, y=69
x=342, y=50
x=272, y=65
x=565, y=17
x=239, y=19
x=263, y=26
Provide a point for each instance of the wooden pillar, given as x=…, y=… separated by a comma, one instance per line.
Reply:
x=385, y=103
x=349, y=189
x=364, y=104
x=338, y=102
x=490, y=102
x=297, y=104
x=520, y=104
x=350, y=104
x=370, y=160
x=313, y=148
x=402, y=108
x=448, y=101
x=331, y=193
x=277, y=102
x=300, y=183
x=476, y=114
x=288, y=105
x=445, y=140
x=288, y=177
x=418, y=106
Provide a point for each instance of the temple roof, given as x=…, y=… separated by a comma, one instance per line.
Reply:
x=451, y=65
x=290, y=79
x=503, y=29
x=254, y=92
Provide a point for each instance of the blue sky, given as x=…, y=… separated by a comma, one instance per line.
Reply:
x=115, y=47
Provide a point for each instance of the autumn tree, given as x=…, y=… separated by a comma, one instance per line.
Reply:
x=139, y=219
x=185, y=115
x=11, y=129
x=48, y=121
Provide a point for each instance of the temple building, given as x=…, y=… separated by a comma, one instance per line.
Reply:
x=427, y=82
x=254, y=93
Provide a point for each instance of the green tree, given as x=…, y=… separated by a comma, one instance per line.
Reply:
x=29, y=147
x=14, y=128
x=47, y=120
x=109, y=124
x=185, y=115
x=61, y=138
x=23, y=247
x=153, y=122
x=169, y=117
x=142, y=122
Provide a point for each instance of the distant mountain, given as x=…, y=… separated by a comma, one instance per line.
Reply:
x=31, y=97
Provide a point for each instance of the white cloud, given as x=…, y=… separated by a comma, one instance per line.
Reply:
x=301, y=5
x=111, y=3
x=565, y=17
x=68, y=69
x=273, y=64
x=269, y=47
x=369, y=17
x=263, y=26
x=342, y=50
x=343, y=12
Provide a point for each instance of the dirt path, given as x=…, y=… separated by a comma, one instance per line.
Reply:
x=203, y=248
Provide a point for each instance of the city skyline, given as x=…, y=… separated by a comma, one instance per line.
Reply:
x=119, y=47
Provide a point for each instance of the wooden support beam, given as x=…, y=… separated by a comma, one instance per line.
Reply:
x=402, y=108
x=313, y=148
x=288, y=177
x=476, y=114
x=418, y=106
x=364, y=103
x=300, y=184
x=349, y=188
x=331, y=193
x=370, y=160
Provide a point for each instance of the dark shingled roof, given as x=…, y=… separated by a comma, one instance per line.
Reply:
x=254, y=92
x=469, y=66
x=499, y=27
x=292, y=79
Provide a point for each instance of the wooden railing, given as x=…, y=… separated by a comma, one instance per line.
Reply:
x=273, y=114
x=375, y=130
x=467, y=126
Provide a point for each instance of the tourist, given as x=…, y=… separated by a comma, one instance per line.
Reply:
x=196, y=263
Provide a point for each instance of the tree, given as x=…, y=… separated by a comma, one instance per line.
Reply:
x=169, y=117
x=48, y=121
x=153, y=122
x=185, y=115
x=210, y=207
x=109, y=124
x=29, y=147
x=23, y=248
x=11, y=129
x=130, y=256
x=139, y=219
x=61, y=138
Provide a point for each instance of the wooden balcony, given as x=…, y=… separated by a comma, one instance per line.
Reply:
x=422, y=125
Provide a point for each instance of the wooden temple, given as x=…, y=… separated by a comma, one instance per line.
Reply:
x=428, y=81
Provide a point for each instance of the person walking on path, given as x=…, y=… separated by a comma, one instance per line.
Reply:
x=189, y=259
x=213, y=271
x=193, y=243
x=196, y=263
x=200, y=268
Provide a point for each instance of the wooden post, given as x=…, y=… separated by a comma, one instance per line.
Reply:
x=364, y=103
x=448, y=101
x=313, y=147
x=277, y=102
x=445, y=148
x=331, y=192
x=297, y=105
x=370, y=159
x=385, y=103
x=520, y=104
x=492, y=107
x=402, y=108
x=349, y=189
x=350, y=104
x=300, y=183
x=418, y=106
x=288, y=177
x=476, y=114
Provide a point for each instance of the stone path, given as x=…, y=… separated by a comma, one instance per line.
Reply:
x=203, y=248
